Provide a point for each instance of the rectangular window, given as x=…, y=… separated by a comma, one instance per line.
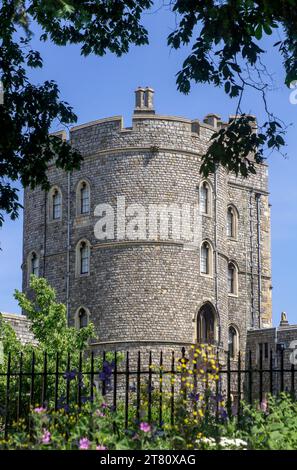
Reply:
x=85, y=201
x=85, y=204
x=84, y=262
x=56, y=206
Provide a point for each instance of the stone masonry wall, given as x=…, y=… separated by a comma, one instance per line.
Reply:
x=150, y=292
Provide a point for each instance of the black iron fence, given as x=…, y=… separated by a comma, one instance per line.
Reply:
x=127, y=380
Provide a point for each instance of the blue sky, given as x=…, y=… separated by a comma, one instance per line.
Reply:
x=100, y=87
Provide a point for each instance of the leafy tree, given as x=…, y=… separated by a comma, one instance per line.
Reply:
x=226, y=51
x=29, y=110
x=48, y=324
x=53, y=338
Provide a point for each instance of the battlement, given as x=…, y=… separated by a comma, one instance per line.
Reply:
x=147, y=128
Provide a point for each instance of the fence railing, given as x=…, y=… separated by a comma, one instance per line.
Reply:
x=128, y=380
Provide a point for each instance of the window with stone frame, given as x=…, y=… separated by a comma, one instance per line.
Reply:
x=84, y=258
x=233, y=342
x=56, y=205
x=206, y=258
x=34, y=264
x=83, y=318
x=232, y=279
x=232, y=222
x=205, y=198
x=83, y=198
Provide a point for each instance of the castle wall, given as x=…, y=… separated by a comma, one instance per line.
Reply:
x=149, y=291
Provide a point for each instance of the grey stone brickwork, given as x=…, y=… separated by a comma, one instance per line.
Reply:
x=21, y=326
x=148, y=294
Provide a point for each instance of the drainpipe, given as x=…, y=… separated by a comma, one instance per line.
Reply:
x=68, y=248
x=258, y=201
x=251, y=259
x=216, y=246
x=44, y=233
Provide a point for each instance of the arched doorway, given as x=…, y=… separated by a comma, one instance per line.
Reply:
x=207, y=324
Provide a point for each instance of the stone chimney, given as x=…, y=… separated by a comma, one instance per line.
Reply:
x=212, y=120
x=144, y=101
x=284, y=320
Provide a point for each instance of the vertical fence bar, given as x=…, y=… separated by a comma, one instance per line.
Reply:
x=44, y=380
x=239, y=386
x=261, y=376
x=229, y=403
x=293, y=381
x=103, y=381
x=217, y=388
x=250, y=378
x=172, y=389
x=32, y=379
x=115, y=381
x=271, y=373
x=127, y=373
x=56, y=381
x=92, y=373
x=68, y=380
x=7, y=398
x=161, y=390
x=138, y=387
x=149, y=411
x=19, y=406
x=79, y=380
x=282, y=370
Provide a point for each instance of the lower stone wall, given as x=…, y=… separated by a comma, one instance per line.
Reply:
x=21, y=326
x=272, y=353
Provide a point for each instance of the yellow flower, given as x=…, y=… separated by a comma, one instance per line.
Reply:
x=201, y=413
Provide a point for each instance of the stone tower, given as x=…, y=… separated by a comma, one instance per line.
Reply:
x=141, y=286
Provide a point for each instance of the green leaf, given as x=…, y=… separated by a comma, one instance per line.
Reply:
x=258, y=32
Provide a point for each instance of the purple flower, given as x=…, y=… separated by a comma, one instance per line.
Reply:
x=223, y=414
x=46, y=437
x=101, y=447
x=194, y=396
x=145, y=427
x=84, y=443
x=264, y=405
x=40, y=409
x=70, y=375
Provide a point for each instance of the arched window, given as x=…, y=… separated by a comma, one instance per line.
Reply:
x=232, y=279
x=83, y=198
x=207, y=325
x=55, y=204
x=82, y=317
x=83, y=258
x=232, y=220
x=205, y=198
x=233, y=342
x=206, y=258
x=34, y=264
